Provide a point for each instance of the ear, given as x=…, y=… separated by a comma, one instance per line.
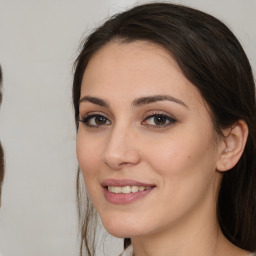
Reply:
x=232, y=145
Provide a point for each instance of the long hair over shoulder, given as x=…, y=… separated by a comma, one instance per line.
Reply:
x=210, y=57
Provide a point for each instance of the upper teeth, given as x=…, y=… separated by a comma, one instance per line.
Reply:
x=126, y=189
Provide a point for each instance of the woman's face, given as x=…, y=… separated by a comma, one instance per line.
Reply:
x=146, y=144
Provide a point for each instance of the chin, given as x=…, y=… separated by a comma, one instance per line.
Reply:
x=122, y=227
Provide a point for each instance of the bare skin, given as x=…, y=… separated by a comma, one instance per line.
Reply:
x=142, y=120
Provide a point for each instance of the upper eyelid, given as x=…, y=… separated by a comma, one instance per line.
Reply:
x=158, y=112
x=170, y=118
x=146, y=115
x=93, y=113
x=86, y=119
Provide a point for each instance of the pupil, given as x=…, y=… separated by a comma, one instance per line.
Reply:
x=100, y=120
x=160, y=120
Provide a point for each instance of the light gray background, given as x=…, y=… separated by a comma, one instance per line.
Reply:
x=38, y=44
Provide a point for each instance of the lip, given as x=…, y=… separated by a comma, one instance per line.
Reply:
x=120, y=198
x=125, y=182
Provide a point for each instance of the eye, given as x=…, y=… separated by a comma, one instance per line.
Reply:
x=95, y=120
x=159, y=120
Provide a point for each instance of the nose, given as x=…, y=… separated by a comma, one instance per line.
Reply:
x=121, y=149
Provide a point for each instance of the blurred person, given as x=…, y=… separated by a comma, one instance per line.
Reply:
x=1, y=148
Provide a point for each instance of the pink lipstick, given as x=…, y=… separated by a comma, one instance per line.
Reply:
x=125, y=191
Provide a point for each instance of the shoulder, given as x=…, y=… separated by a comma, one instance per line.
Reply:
x=127, y=252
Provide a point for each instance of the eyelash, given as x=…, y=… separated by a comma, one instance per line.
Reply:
x=166, y=117
x=86, y=120
x=89, y=117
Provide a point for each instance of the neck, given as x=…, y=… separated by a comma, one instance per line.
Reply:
x=191, y=239
x=196, y=235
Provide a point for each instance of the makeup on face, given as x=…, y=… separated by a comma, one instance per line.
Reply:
x=124, y=191
x=145, y=140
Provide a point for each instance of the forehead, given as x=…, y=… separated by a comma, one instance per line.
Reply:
x=134, y=56
x=135, y=69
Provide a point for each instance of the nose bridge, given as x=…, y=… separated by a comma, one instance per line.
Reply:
x=121, y=148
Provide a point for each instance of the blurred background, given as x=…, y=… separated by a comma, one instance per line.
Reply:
x=39, y=42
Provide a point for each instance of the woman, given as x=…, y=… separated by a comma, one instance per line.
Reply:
x=165, y=109
x=1, y=149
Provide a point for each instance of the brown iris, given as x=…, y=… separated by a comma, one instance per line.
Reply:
x=160, y=120
x=100, y=120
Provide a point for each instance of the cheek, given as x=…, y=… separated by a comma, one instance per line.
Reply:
x=88, y=154
x=182, y=156
x=186, y=173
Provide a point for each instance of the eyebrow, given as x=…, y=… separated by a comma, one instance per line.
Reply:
x=94, y=100
x=155, y=98
x=137, y=102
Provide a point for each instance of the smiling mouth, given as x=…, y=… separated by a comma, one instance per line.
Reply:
x=126, y=189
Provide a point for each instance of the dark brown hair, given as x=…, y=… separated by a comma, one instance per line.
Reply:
x=1, y=149
x=210, y=57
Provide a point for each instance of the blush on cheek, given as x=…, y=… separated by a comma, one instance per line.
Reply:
x=170, y=161
x=85, y=151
